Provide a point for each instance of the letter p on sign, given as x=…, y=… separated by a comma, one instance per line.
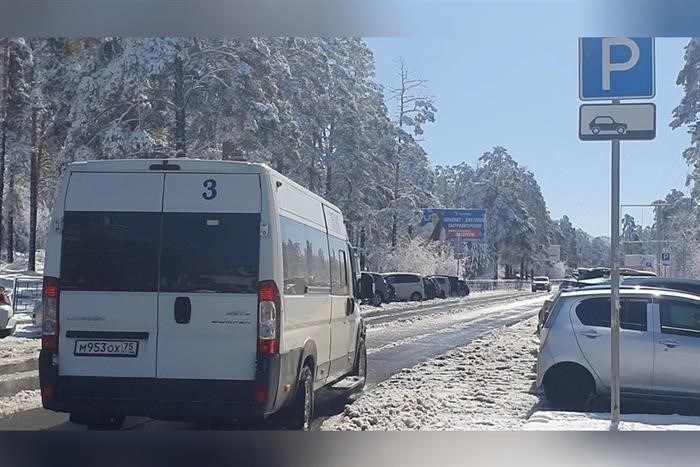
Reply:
x=608, y=66
x=616, y=68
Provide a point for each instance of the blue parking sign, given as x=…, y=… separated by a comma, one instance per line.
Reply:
x=616, y=68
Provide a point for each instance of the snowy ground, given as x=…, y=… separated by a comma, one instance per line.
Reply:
x=405, y=305
x=486, y=385
x=23, y=400
x=549, y=421
x=20, y=345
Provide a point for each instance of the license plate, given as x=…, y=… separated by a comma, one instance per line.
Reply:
x=106, y=348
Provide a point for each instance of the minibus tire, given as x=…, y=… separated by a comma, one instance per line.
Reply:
x=301, y=416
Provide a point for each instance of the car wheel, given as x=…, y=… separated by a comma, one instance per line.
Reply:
x=6, y=332
x=569, y=387
x=302, y=410
x=595, y=130
x=620, y=130
x=107, y=422
x=377, y=299
x=416, y=297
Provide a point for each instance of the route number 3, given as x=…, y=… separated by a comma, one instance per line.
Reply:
x=210, y=185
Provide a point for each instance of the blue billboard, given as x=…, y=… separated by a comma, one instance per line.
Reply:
x=443, y=224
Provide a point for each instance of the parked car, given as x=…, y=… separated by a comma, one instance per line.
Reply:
x=682, y=285
x=165, y=287
x=367, y=290
x=8, y=321
x=454, y=286
x=374, y=288
x=391, y=291
x=438, y=288
x=444, y=284
x=541, y=283
x=463, y=288
x=431, y=288
x=381, y=291
x=659, y=340
x=407, y=285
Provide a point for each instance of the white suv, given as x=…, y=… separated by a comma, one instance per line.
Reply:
x=407, y=286
x=659, y=346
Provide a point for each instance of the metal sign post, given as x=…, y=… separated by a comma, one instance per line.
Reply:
x=614, y=68
x=615, y=286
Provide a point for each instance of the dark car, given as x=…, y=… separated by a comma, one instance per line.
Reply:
x=463, y=288
x=607, y=123
x=444, y=285
x=682, y=285
x=431, y=290
x=454, y=286
x=378, y=286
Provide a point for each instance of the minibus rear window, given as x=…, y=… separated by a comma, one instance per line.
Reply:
x=110, y=251
x=199, y=252
x=210, y=252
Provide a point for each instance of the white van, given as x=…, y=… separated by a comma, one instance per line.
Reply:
x=195, y=290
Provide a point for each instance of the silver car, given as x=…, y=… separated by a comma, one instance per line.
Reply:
x=8, y=321
x=659, y=346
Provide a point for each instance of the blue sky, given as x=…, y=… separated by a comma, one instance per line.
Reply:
x=517, y=87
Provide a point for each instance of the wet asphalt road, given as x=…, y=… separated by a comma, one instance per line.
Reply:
x=395, y=340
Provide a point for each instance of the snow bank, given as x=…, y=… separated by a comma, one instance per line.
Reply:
x=23, y=400
x=407, y=305
x=486, y=385
x=436, y=301
x=18, y=346
x=550, y=421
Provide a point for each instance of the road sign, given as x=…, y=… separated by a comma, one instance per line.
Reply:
x=616, y=68
x=601, y=122
x=666, y=258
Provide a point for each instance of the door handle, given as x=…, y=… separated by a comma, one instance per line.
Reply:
x=182, y=310
x=669, y=343
x=591, y=334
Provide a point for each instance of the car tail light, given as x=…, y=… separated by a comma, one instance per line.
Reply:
x=269, y=307
x=49, y=325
